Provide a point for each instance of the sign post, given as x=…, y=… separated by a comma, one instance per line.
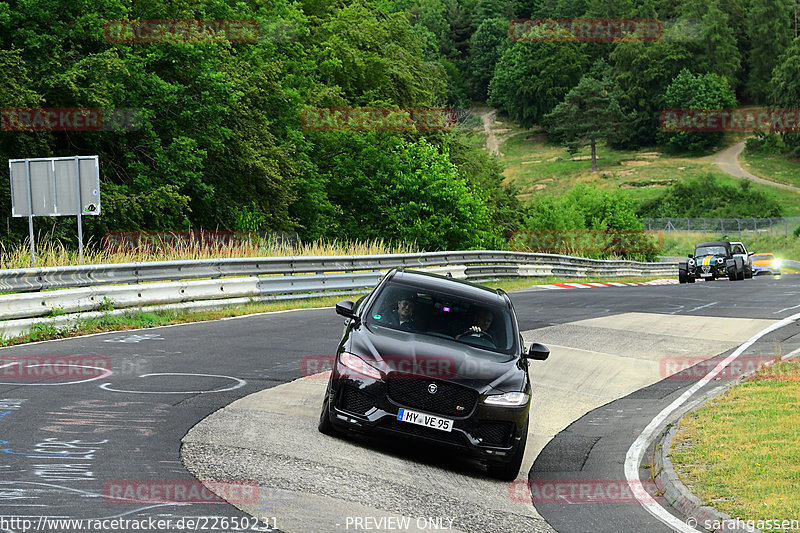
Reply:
x=55, y=186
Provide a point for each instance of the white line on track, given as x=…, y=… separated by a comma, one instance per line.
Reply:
x=786, y=309
x=702, y=307
x=635, y=453
x=239, y=383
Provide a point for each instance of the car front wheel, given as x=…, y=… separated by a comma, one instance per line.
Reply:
x=324, y=426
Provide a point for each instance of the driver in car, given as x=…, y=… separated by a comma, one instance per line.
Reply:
x=482, y=320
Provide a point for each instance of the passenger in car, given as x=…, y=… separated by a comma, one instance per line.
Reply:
x=403, y=315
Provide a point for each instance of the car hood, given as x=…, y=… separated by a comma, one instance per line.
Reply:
x=437, y=358
x=708, y=259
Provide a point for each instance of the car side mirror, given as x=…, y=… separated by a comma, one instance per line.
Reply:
x=538, y=352
x=750, y=253
x=691, y=256
x=346, y=308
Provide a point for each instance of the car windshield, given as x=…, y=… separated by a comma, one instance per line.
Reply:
x=763, y=257
x=709, y=250
x=443, y=315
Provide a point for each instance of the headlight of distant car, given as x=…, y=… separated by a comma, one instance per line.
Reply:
x=776, y=263
x=719, y=260
x=354, y=362
x=691, y=262
x=509, y=399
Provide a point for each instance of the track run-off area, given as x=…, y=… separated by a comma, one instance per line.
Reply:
x=145, y=413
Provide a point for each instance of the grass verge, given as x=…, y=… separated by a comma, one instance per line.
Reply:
x=535, y=166
x=779, y=167
x=52, y=252
x=148, y=319
x=739, y=452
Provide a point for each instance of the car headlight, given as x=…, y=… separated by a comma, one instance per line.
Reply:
x=776, y=263
x=691, y=262
x=354, y=362
x=509, y=399
x=720, y=260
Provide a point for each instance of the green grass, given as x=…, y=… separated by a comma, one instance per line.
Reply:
x=536, y=167
x=779, y=168
x=52, y=252
x=739, y=452
x=138, y=319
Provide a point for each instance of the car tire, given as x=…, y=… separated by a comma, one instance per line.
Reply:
x=748, y=273
x=732, y=274
x=510, y=470
x=682, y=276
x=690, y=279
x=324, y=426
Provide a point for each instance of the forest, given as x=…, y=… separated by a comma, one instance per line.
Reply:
x=220, y=141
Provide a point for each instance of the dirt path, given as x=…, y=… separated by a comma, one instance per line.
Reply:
x=728, y=161
x=493, y=136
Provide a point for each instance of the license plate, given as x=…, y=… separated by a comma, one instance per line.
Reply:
x=421, y=419
x=706, y=274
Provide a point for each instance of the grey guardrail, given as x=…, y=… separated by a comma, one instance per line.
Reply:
x=220, y=282
x=37, y=279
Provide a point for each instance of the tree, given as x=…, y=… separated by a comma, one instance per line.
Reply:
x=589, y=112
x=532, y=78
x=642, y=72
x=703, y=91
x=716, y=51
x=486, y=46
x=770, y=34
x=785, y=86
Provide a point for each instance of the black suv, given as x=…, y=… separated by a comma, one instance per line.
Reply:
x=711, y=260
x=433, y=358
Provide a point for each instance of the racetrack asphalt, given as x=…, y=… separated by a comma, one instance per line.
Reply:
x=592, y=398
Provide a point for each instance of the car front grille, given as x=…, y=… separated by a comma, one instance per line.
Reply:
x=448, y=400
x=355, y=400
x=495, y=433
x=449, y=437
x=706, y=269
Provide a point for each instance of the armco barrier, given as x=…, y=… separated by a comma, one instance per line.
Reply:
x=135, y=285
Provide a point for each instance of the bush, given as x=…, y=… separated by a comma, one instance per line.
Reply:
x=708, y=197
